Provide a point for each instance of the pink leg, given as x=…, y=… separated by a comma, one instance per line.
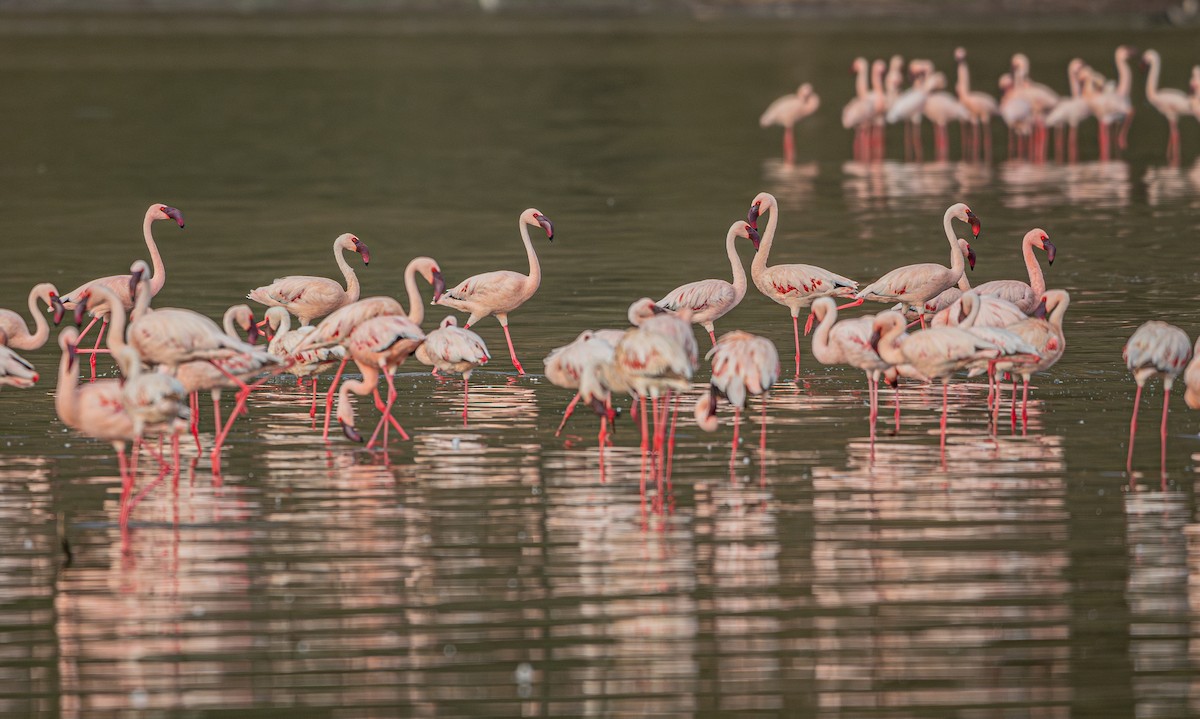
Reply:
x=645, y=429
x=1163, y=428
x=1013, y=411
x=387, y=412
x=194, y=405
x=466, y=395
x=512, y=352
x=789, y=145
x=329, y=395
x=1137, y=398
x=712, y=336
x=567, y=414
x=96, y=348
x=312, y=410
x=945, y=410
x=737, y=425
x=1121, y=139
x=216, y=414
x=671, y=440
x=796, y=333
x=1025, y=405
x=762, y=432
x=896, y=394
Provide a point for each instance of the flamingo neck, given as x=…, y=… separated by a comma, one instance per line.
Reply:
x=142, y=304
x=963, y=86
x=1152, y=79
x=1056, y=315
x=1075, y=84
x=973, y=315
x=1124, y=77
x=860, y=82
x=416, y=309
x=963, y=283
x=159, y=276
x=41, y=327
x=759, y=265
x=352, y=288
x=1036, y=280
x=877, y=80
x=957, y=263
x=66, y=402
x=117, y=318
x=890, y=350
x=227, y=323
x=535, y=268
x=820, y=344
x=735, y=263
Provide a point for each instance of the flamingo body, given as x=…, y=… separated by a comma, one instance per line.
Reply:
x=309, y=297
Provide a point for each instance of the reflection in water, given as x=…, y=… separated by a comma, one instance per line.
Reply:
x=1041, y=186
x=1171, y=185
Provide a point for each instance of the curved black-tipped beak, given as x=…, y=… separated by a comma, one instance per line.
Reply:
x=752, y=217
x=873, y=340
x=80, y=309
x=134, y=280
x=754, y=236
x=252, y=333
x=1051, y=250
x=547, y=225
x=974, y=222
x=71, y=354
x=350, y=432
x=893, y=380
x=713, y=397
x=174, y=214
x=1040, y=310
x=361, y=248
x=439, y=286
x=971, y=257
x=657, y=310
x=59, y=308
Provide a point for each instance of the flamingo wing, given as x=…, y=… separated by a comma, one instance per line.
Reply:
x=1015, y=292
x=704, y=297
x=911, y=283
x=299, y=293
x=15, y=370
x=498, y=291
x=1156, y=344
x=803, y=282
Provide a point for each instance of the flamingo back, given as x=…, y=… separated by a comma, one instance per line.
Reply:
x=338, y=326
x=565, y=365
x=708, y=300
x=743, y=364
x=1157, y=347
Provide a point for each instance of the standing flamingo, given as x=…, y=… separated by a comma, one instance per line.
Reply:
x=909, y=107
x=916, y=284
x=1156, y=348
x=13, y=326
x=96, y=409
x=303, y=363
x=710, y=300
x=15, y=371
x=948, y=296
x=310, y=297
x=1025, y=295
x=980, y=105
x=451, y=348
x=849, y=342
x=155, y=401
x=742, y=365
x=1170, y=102
x=786, y=112
x=794, y=286
x=941, y=108
x=975, y=310
x=502, y=291
x=1041, y=99
x=1044, y=331
x=121, y=284
x=565, y=365
x=380, y=344
x=1071, y=111
x=1017, y=114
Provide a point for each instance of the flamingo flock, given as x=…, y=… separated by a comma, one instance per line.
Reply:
x=1030, y=110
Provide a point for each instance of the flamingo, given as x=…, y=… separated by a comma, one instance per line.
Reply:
x=742, y=365
x=794, y=286
x=500, y=292
x=1043, y=331
x=1071, y=111
x=451, y=348
x=1156, y=348
x=858, y=113
x=1191, y=379
x=1112, y=104
x=1017, y=114
x=710, y=300
x=565, y=365
x=1170, y=102
x=942, y=108
x=975, y=310
x=849, y=342
x=310, y=297
x=948, y=296
x=980, y=105
x=121, y=284
x=380, y=344
x=97, y=409
x=986, y=317
x=153, y=400
x=916, y=284
x=1040, y=97
x=786, y=112
x=13, y=326
x=1024, y=295
x=15, y=371
x=909, y=106
x=304, y=363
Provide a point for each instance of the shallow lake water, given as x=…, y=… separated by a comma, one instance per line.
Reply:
x=496, y=570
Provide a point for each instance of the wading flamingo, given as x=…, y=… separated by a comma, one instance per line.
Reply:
x=1115, y=105
x=786, y=112
x=500, y=292
x=97, y=409
x=941, y=108
x=1024, y=295
x=794, y=286
x=13, y=327
x=1070, y=112
x=380, y=344
x=1041, y=99
x=849, y=342
x=304, y=363
x=743, y=365
x=914, y=285
x=565, y=365
x=1043, y=331
x=980, y=105
x=155, y=401
x=1017, y=114
x=310, y=297
x=710, y=300
x=451, y=348
x=122, y=284
x=946, y=297
x=1170, y=102
x=975, y=310
x=1156, y=348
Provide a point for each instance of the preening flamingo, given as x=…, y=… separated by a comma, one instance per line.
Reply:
x=451, y=348
x=1044, y=332
x=15, y=371
x=743, y=365
x=794, y=286
x=310, y=297
x=500, y=292
x=1156, y=348
x=1170, y=102
x=380, y=344
x=980, y=105
x=916, y=284
x=566, y=365
x=13, y=327
x=646, y=314
x=1024, y=295
x=122, y=284
x=786, y=112
x=710, y=300
x=849, y=342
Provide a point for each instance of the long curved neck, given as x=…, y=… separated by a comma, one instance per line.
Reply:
x=1124, y=77
x=735, y=263
x=963, y=86
x=1056, y=315
x=889, y=345
x=535, y=269
x=1074, y=82
x=1152, y=79
x=65, y=401
x=820, y=344
x=159, y=278
x=860, y=83
x=227, y=322
x=957, y=264
x=1036, y=280
x=764, y=244
x=416, y=309
x=116, y=321
x=141, y=305
x=964, y=284
x=352, y=288
x=41, y=327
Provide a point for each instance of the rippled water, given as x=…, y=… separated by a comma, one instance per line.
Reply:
x=497, y=570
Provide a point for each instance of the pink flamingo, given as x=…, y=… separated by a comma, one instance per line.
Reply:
x=154, y=400
x=1025, y=295
x=1040, y=98
x=1170, y=102
x=96, y=409
x=122, y=284
x=909, y=107
x=1017, y=113
x=1111, y=107
x=451, y=348
x=849, y=342
x=858, y=113
x=500, y=292
x=914, y=285
x=786, y=112
x=565, y=365
x=975, y=310
x=13, y=326
x=1191, y=379
x=1043, y=331
x=942, y=108
x=980, y=105
x=380, y=344
x=305, y=363
x=743, y=365
x=710, y=300
x=15, y=371
x=948, y=296
x=310, y=297
x=794, y=286
x=1070, y=112
x=1156, y=348
x=986, y=318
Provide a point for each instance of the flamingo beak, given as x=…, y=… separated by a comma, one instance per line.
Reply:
x=712, y=402
x=547, y=225
x=657, y=310
x=873, y=340
x=134, y=279
x=439, y=286
x=1051, y=250
x=252, y=333
x=752, y=217
x=81, y=308
x=754, y=236
x=350, y=432
x=174, y=215
x=971, y=257
x=1040, y=310
x=60, y=310
x=974, y=222
x=361, y=248
x=71, y=355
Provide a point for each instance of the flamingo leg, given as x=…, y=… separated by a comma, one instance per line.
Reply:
x=216, y=400
x=1025, y=405
x=1124, y=135
x=387, y=412
x=567, y=414
x=737, y=425
x=96, y=348
x=312, y=410
x=796, y=334
x=873, y=395
x=512, y=352
x=466, y=395
x=1163, y=428
x=194, y=423
x=712, y=336
x=896, y=394
x=329, y=395
x=945, y=411
x=671, y=439
x=645, y=429
x=1137, y=399
x=789, y=145
x=762, y=431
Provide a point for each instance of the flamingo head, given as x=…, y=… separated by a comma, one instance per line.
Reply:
x=964, y=214
x=744, y=230
x=859, y=65
x=139, y=272
x=968, y=252
x=642, y=310
x=537, y=219
x=1038, y=238
x=67, y=343
x=245, y=319
x=609, y=414
x=966, y=305
x=60, y=310
x=428, y=268
x=165, y=212
x=81, y=307
x=1006, y=82
x=352, y=243
x=276, y=317
x=804, y=90
x=891, y=375
x=706, y=410
x=450, y=321
x=1020, y=63
x=960, y=54
x=763, y=202
x=883, y=324
x=350, y=432
x=1040, y=310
